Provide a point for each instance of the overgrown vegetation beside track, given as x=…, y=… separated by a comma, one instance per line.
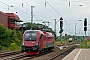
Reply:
x=84, y=41
x=64, y=41
x=85, y=44
x=10, y=40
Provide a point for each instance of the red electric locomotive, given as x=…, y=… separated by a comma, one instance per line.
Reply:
x=35, y=41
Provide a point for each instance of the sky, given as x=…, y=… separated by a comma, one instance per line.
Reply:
x=70, y=10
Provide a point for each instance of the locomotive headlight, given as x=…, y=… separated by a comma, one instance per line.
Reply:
x=37, y=43
x=22, y=43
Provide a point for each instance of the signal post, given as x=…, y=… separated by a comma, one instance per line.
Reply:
x=61, y=29
x=85, y=29
x=85, y=25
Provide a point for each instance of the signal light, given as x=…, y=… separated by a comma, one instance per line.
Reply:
x=61, y=31
x=85, y=22
x=61, y=24
x=85, y=28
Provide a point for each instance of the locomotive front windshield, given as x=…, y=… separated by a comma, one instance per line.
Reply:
x=31, y=35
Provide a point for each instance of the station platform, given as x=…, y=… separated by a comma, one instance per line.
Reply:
x=78, y=54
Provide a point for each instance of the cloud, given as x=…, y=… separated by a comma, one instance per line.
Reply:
x=70, y=14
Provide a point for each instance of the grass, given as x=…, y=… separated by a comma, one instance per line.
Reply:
x=12, y=47
x=84, y=45
x=63, y=42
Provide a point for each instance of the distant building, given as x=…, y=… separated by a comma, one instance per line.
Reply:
x=3, y=19
x=10, y=20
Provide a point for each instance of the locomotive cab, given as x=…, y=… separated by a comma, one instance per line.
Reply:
x=30, y=41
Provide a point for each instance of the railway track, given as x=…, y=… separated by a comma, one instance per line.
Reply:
x=40, y=56
x=21, y=56
x=29, y=57
x=63, y=54
x=18, y=56
x=9, y=53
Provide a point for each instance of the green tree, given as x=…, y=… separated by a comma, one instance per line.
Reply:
x=28, y=26
x=8, y=39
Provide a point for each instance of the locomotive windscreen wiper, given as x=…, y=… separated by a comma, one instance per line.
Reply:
x=30, y=39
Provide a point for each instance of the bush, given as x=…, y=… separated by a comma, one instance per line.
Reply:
x=9, y=40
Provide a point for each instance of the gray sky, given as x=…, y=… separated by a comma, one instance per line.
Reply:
x=70, y=15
